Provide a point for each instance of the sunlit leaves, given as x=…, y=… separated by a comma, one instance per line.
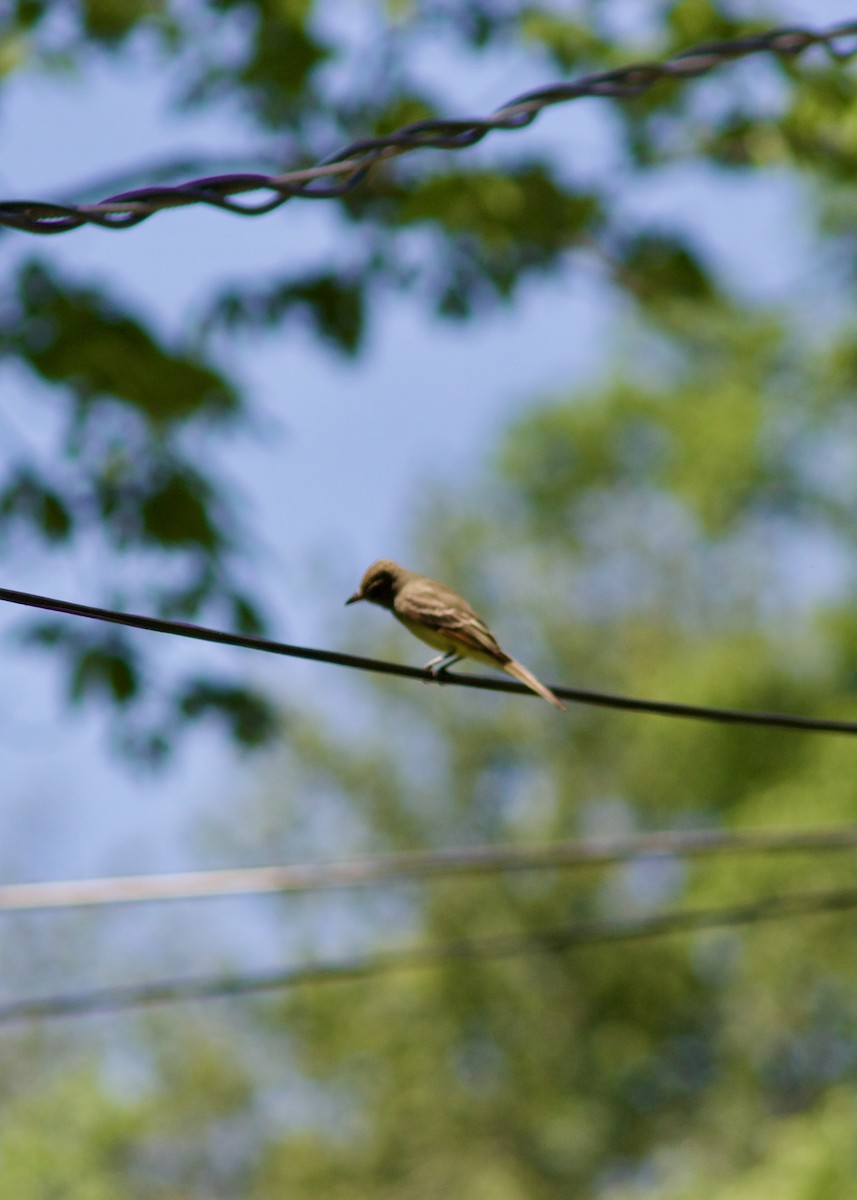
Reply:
x=718, y=438
x=69, y=1137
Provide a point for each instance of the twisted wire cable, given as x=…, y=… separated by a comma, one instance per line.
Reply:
x=343, y=171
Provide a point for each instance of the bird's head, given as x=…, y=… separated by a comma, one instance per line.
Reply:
x=380, y=584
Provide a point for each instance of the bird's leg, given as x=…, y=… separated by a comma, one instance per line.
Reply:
x=438, y=665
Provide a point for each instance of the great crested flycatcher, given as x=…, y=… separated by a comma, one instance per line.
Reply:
x=444, y=620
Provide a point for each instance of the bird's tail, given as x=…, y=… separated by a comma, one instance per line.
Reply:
x=526, y=677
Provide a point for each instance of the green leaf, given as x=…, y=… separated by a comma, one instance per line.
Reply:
x=98, y=670
x=333, y=304
x=251, y=719
x=246, y=616
x=660, y=267
x=175, y=513
x=571, y=43
x=696, y=21
x=80, y=338
x=46, y=633
x=521, y=207
x=112, y=20
x=28, y=499
x=277, y=63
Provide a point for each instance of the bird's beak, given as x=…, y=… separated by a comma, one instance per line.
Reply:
x=358, y=595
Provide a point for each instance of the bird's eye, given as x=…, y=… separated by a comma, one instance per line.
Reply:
x=380, y=588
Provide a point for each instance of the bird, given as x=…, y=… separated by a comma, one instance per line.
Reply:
x=442, y=619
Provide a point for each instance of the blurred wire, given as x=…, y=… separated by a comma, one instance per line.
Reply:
x=349, y=166
x=583, y=933
x=430, y=864
x=664, y=708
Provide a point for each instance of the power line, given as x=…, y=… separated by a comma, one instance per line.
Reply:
x=416, y=865
x=350, y=165
x=664, y=708
x=501, y=946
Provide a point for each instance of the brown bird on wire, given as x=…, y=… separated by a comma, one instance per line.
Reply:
x=442, y=619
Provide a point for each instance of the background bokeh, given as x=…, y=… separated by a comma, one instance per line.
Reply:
x=600, y=375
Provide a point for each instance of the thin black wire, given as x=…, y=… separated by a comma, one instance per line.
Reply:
x=350, y=165
x=664, y=708
x=418, y=865
x=584, y=933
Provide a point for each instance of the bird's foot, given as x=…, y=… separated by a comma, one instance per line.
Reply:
x=437, y=667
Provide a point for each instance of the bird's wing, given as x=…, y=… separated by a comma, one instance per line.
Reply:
x=442, y=610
